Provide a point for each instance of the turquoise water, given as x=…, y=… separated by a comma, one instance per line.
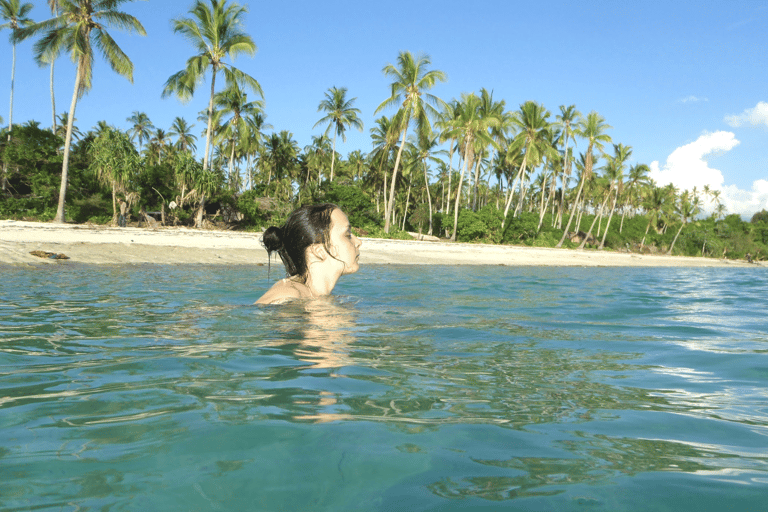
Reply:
x=415, y=388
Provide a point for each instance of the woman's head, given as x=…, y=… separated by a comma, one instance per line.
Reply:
x=305, y=227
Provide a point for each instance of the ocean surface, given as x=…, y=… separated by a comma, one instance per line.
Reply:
x=414, y=388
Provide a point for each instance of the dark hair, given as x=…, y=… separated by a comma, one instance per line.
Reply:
x=306, y=226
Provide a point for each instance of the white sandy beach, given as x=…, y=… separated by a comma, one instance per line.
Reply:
x=106, y=245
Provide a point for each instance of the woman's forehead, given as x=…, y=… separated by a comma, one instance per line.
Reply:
x=339, y=219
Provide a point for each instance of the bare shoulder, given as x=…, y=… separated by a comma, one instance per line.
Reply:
x=281, y=291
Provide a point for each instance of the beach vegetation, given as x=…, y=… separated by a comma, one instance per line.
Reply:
x=80, y=28
x=215, y=31
x=467, y=169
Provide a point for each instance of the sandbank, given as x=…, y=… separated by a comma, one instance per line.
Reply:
x=94, y=244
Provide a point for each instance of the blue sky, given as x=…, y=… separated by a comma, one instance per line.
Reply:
x=682, y=82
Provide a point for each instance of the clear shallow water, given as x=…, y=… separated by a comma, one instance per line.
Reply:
x=416, y=388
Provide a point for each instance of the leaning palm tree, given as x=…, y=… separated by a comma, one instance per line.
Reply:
x=592, y=128
x=410, y=81
x=215, y=31
x=141, y=128
x=81, y=26
x=340, y=115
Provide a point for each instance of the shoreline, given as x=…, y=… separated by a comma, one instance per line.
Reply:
x=94, y=244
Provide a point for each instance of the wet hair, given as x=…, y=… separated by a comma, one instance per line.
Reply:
x=304, y=227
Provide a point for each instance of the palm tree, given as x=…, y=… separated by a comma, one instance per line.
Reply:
x=141, y=128
x=81, y=26
x=340, y=115
x=215, y=32
x=469, y=127
x=61, y=127
x=15, y=15
x=566, y=119
x=533, y=140
x=114, y=159
x=410, y=81
x=638, y=178
x=185, y=140
x=687, y=207
x=384, y=137
x=444, y=123
x=54, y=6
x=233, y=101
x=615, y=173
x=592, y=128
x=425, y=147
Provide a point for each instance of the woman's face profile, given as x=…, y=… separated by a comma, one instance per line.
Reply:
x=344, y=244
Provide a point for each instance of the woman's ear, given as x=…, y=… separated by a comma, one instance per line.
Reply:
x=318, y=252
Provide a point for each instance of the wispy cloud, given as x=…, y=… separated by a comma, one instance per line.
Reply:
x=751, y=117
x=692, y=99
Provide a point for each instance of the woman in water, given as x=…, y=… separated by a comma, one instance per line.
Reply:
x=317, y=247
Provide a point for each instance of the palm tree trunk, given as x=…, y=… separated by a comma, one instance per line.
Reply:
x=573, y=210
x=458, y=192
x=232, y=163
x=450, y=175
x=394, y=178
x=60, y=217
x=210, y=121
x=608, y=224
x=53, y=103
x=669, y=252
x=584, y=242
x=520, y=173
x=333, y=155
x=429, y=198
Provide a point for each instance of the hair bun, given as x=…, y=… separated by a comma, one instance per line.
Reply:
x=272, y=239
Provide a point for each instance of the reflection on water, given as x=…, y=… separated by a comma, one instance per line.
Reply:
x=163, y=387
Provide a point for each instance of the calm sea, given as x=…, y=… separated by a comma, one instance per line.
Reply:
x=414, y=388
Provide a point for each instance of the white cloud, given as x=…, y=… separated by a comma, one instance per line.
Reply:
x=746, y=202
x=752, y=116
x=692, y=99
x=687, y=167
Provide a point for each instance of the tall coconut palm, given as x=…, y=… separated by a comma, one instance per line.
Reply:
x=340, y=116
x=494, y=110
x=444, y=123
x=410, y=81
x=185, y=140
x=54, y=6
x=141, y=127
x=638, y=178
x=592, y=128
x=384, y=136
x=233, y=102
x=686, y=207
x=566, y=119
x=533, y=140
x=215, y=31
x=14, y=13
x=81, y=27
x=469, y=127
x=614, y=171
x=425, y=149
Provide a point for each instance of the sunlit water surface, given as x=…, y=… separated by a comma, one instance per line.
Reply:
x=415, y=388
